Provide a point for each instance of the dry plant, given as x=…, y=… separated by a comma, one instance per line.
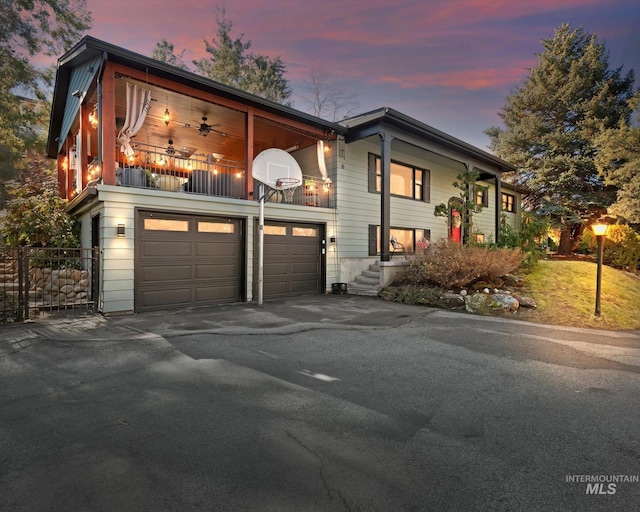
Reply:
x=452, y=265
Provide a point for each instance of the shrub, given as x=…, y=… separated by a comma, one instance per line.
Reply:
x=621, y=247
x=450, y=265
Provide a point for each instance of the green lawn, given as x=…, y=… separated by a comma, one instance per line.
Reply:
x=565, y=292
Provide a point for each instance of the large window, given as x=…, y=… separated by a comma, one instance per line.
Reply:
x=406, y=180
x=482, y=196
x=406, y=237
x=508, y=203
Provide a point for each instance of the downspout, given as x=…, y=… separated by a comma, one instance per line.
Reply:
x=100, y=74
x=385, y=195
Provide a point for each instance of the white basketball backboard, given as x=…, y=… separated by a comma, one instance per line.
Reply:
x=273, y=164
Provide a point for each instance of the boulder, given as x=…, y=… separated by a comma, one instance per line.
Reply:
x=452, y=300
x=512, y=280
x=504, y=302
x=485, y=303
x=526, y=302
x=476, y=303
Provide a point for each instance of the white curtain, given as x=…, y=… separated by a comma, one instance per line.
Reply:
x=138, y=103
x=321, y=163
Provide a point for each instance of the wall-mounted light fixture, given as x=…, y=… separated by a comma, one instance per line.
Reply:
x=93, y=117
x=120, y=231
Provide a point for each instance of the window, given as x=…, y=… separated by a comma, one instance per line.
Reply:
x=406, y=180
x=275, y=230
x=408, y=237
x=508, y=203
x=482, y=196
x=166, y=225
x=215, y=227
x=312, y=232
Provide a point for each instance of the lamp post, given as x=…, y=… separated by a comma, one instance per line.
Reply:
x=600, y=230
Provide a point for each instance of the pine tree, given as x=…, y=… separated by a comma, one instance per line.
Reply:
x=164, y=52
x=231, y=63
x=551, y=122
x=45, y=27
x=618, y=161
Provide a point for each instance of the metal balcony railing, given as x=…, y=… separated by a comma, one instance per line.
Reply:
x=172, y=169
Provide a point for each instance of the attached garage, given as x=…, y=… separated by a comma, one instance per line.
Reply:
x=293, y=259
x=187, y=260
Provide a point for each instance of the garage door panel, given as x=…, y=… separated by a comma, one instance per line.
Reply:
x=309, y=286
x=226, y=248
x=172, y=248
x=164, y=297
x=215, y=293
x=304, y=250
x=276, y=269
x=224, y=272
x=275, y=289
x=309, y=268
x=276, y=250
x=166, y=273
x=200, y=264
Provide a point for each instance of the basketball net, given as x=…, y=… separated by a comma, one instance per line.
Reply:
x=288, y=188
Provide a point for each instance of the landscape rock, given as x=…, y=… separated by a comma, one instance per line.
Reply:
x=526, y=302
x=512, y=280
x=485, y=303
x=452, y=300
x=504, y=302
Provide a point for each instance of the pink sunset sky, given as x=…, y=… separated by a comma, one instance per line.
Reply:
x=447, y=63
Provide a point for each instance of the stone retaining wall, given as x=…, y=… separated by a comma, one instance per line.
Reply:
x=48, y=287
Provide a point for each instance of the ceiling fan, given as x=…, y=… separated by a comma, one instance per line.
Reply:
x=205, y=128
x=183, y=152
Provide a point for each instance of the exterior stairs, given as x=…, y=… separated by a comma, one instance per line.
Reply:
x=367, y=283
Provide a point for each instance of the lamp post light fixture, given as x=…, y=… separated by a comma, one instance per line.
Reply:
x=600, y=230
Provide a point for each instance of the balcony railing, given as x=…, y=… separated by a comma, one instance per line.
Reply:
x=174, y=170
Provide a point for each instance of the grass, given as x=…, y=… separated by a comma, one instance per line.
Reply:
x=565, y=292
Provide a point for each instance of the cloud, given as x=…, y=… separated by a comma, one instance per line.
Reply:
x=469, y=79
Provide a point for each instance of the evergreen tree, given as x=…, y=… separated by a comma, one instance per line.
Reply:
x=30, y=28
x=231, y=63
x=164, y=52
x=618, y=161
x=551, y=122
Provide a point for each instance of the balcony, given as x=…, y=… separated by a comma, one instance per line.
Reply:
x=176, y=170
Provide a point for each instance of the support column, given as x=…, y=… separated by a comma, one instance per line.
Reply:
x=249, y=135
x=108, y=123
x=498, y=208
x=385, y=195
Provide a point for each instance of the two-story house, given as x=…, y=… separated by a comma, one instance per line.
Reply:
x=157, y=163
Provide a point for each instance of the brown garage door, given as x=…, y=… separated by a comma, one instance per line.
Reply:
x=293, y=259
x=184, y=260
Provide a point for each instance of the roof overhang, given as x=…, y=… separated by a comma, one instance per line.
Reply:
x=372, y=123
x=90, y=48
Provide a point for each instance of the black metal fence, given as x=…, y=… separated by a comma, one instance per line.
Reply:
x=43, y=280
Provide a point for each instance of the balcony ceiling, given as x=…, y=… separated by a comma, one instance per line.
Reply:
x=226, y=135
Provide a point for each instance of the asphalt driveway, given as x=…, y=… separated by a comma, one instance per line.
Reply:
x=319, y=403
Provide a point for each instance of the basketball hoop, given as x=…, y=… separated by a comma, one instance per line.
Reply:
x=288, y=187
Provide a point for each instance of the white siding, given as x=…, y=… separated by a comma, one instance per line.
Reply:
x=358, y=208
x=484, y=222
x=119, y=206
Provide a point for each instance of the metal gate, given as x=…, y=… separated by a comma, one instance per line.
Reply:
x=39, y=280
